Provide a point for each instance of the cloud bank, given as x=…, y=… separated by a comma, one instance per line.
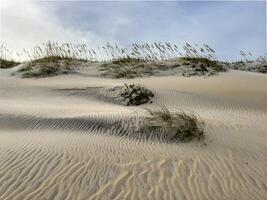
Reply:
x=228, y=27
x=25, y=24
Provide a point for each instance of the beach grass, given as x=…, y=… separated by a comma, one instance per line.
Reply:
x=6, y=64
x=178, y=127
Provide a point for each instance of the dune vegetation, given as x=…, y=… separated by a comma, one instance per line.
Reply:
x=6, y=59
x=134, y=95
x=136, y=60
x=48, y=66
x=175, y=127
x=163, y=58
x=166, y=126
x=6, y=64
x=126, y=94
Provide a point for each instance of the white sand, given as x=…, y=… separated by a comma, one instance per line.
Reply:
x=53, y=144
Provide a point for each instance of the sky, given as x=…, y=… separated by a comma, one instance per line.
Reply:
x=226, y=26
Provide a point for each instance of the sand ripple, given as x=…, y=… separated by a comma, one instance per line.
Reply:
x=57, y=146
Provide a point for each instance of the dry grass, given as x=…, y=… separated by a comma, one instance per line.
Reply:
x=6, y=64
x=49, y=59
x=47, y=66
x=146, y=59
x=132, y=68
x=135, y=60
x=144, y=52
x=128, y=61
x=44, y=71
x=204, y=63
x=128, y=71
x=175, y=127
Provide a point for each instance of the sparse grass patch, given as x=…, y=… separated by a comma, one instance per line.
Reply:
x=126, y=68
x=188, y=66
x=158, y=58
x=173, y=127
x=47, y=66
x=118, y=71
x=48, y=59
x=128, y=61
x=55, y=59
x=133, y=67
x=204, y=64
x=43, y=71
x=6, y=64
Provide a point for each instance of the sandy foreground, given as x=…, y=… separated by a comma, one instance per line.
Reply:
x=54, y=144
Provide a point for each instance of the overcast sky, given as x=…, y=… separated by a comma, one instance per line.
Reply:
x=227, y=26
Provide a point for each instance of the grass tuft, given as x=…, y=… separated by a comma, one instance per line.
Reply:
x=175, y=127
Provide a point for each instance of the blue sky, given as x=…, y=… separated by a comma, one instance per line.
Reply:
x=227, y=26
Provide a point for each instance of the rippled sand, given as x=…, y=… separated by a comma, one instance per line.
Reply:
x=56, y=144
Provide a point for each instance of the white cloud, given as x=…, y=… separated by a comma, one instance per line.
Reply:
x=226, y=26
x=25, y=24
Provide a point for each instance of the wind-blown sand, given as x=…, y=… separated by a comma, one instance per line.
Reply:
x=56, y=141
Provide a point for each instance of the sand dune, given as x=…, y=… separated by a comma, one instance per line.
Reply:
x=57, y=140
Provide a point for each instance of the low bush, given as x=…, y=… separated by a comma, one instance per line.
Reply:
x=134, y=95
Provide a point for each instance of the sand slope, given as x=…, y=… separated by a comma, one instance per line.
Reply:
x=60, y=144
